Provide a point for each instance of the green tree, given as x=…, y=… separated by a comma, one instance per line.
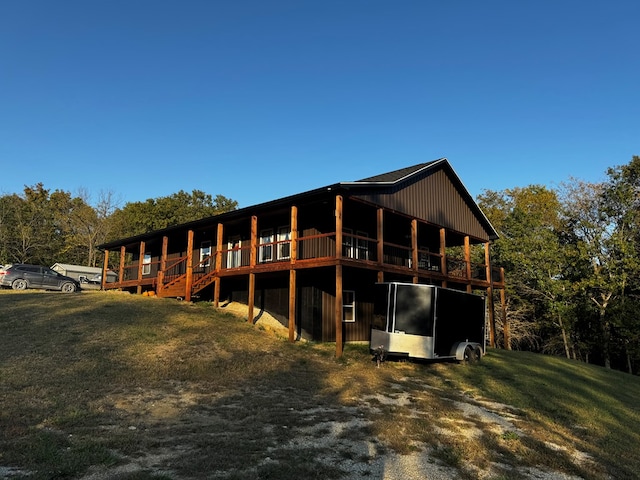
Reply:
x=36, y=236
x=9, y=205
x=621, y=205
x=154, y=214
x=528, y=221
x=87, y=226
x=603, y=255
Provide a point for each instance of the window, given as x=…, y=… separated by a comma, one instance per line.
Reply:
x=347, y=243
x=205, y=253
x=362, y=246
x=424, y=258
x=234, y=254
x=146, y=264
x=348, y=306
x=30, y=269
x=284, y=244
x=353, y=247
x=265, y=253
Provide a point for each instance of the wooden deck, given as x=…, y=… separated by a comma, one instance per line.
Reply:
x=183, y=278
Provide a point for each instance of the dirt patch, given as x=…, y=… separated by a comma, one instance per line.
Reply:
x=262, y=318
x=180, y=423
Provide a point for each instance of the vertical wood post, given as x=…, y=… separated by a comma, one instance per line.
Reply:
x=414, y=249
x=338, y=311
x=252, y=263
x=492, y=318
x=507, y=329
x=292, y=305
x=443, y=255
x=216, y=285
x=252, y=296
x=121, y=269
x=338, y=214
x=294, y=234
x=487, y=263
x=292, y=273
x=467, y=261
x=140, y=260
x=338, y=304
x=380, y=243
x=505, y=320
x=189, y=278
x=253, y=241
x=105, y=268
x=163, y=265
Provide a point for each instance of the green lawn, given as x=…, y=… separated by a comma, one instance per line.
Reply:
x=141, y=387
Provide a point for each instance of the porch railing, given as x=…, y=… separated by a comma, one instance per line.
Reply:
x=319, y=246
x=175, y=270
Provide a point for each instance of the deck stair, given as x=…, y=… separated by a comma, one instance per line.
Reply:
x=177, y=287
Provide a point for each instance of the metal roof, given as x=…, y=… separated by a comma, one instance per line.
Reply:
x=381, y=181
x=397, y=175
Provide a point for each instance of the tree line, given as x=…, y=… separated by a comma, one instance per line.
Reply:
x=571, y=253
x=44, y=227
x=572, y=261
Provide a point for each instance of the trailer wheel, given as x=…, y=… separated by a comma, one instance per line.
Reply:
x=470, y=355
x=478, y=352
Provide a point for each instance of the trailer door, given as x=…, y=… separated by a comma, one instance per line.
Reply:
x=459, y=318
x=414, y=310
x=383, y=307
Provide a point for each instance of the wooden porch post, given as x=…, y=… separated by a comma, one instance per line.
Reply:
x=105, y=267
x=189, y=278
x=467, y=261
x=443, y=255
x=338, y=312
x=252, y=264
x=140, y=260
x=163, y=265
x=505, y=321
x=414, y=249
x=292, y=273
x=380, y=225
x=292, y=305
x=121, y=269
x=492, y=318
x=338, y=304
x=216, y=286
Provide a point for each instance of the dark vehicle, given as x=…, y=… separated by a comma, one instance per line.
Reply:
x=428, y=322
x=22, y=276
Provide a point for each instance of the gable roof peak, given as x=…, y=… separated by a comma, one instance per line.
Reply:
x=396, y=176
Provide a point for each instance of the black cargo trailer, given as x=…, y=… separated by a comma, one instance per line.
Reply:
x=429, y=322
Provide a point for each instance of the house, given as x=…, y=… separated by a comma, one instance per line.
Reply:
x=310, y=259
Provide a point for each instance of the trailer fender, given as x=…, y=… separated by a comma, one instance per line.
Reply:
x=467, y=351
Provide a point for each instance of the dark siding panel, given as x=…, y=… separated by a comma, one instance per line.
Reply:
x=315, y=247
x=309, y=315
x=328, y=318
x=360, y=329
x=361, y=282
x=433, y=198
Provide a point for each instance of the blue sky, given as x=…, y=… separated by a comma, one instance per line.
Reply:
x=257, y=100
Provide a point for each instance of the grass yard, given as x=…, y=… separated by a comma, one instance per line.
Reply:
x=101, y=385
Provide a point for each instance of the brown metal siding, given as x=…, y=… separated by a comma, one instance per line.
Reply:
x=315, y=247
x=328, y=317
x=360, y=329
x=433, y=198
